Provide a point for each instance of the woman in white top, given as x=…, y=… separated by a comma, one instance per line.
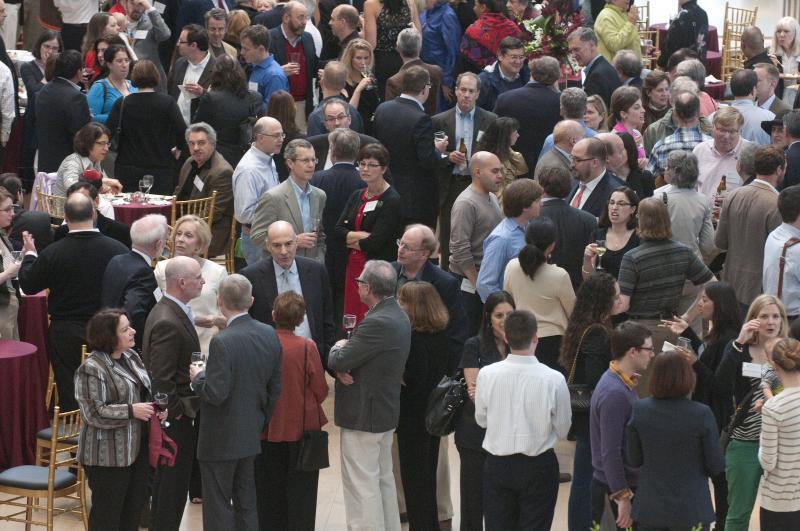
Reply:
x=9, y=307
x=786, y=50
x=91, y=147
x=544, y=289
x=191, y=237
x=779, y=451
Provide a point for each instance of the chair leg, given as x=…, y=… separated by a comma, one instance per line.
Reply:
x=82, y=493
x=50, y=502
x=28, y=513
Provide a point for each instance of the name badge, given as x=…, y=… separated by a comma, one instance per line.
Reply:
x=467, y=286
x=370, y=206
x=253, y=86
x=157, y=294
x=160, y=7
x=140, y=34
x=198, y=183
x=751, y=370
x=480, y=135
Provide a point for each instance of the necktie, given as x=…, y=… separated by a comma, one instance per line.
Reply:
x=221, y=5
x=576, y=201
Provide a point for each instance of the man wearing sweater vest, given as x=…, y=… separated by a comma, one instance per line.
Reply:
x=612, y=404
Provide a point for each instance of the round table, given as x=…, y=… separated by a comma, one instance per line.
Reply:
x=713, y=55
x=32, y=323
x=22, y=411
x=715, y=90
x=130, y=212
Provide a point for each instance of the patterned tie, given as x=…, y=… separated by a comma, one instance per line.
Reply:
x=576, y=201
x=221, y=4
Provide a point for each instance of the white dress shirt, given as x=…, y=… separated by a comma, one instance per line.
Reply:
x=7, y=111
x=791, y=272
x=524, y=406
x=589, y=188
x=193, y=73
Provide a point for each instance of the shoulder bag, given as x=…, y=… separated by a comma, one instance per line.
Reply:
x=736, y=419
x=312, y=448
x=444, y=405
x=114, y=145
x=782, y=263
x=580, y=395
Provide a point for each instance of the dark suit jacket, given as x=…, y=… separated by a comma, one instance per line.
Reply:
x=535, y=121
x=384, y=224
x=35, y=222
x=426, y=364
x=321, y=147
x=167, y=346
x=599, y=196
x=129, y=283
x=107, y=226
x=216, y=174
x=446, y=121
x=178, y=72
x=376, y=357
x=269, y=19
x=601, y=79
x=792, y=175
x=574, y=229
x=238, y=390
x=407, y=132
x=62, y=110
x=316, y=292
x=394, y=85
x=277, y=47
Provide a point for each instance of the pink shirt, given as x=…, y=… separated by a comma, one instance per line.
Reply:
x=713, y=165
x=637, y=136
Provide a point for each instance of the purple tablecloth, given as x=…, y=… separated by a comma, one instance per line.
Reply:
x=32, y=322
x=129, y=213
x=715, y=90
x=661, y=28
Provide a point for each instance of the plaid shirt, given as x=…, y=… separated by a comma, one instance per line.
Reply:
x=685, y=138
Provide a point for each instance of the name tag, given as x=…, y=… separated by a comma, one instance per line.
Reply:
x=467, y=286
x=480, y=135
x=198, y=183
x=140, y=34
x=253, y=86
x=159, y=7
x=370, y=206
x=157, y=294
x=751, y=370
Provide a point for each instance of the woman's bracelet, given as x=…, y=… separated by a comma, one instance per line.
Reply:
x=736, y=346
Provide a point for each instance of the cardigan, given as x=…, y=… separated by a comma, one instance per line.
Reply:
x=385, y=224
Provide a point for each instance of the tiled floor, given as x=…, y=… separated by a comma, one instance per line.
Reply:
x=330, y=505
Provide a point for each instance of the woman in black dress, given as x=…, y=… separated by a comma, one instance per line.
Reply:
x=362, y=91
x=617, y=228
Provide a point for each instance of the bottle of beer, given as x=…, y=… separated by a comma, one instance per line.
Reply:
x=723, y=185
x=462, y=148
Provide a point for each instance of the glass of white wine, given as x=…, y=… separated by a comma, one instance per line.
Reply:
x=198, y=360
x=601, y=250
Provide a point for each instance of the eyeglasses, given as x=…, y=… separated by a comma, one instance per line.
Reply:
x=359, y=281
x=651, y=349
x=406, y=247
x=336, y=118
x=273, y=135
x=731, y=132
x=370, y=165
x=576, y=159
x=103, y=143
x=306, y=161
x=612, y=203
x=184, y=42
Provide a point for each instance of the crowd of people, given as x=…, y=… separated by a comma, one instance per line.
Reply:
x=609, y=259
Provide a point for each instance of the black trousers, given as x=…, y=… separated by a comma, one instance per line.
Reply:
x=721, y=500
x=520, y=491
x=171, y=484
x=224, y=481
x=471, y=486
x=287, y=498
x=600, y=493
x=196, y=481
x=419, y=456
x=118, y=494
x=72, y=36
x=473, y=307
x=164, y=179
x=64, y=341
x=772, y=521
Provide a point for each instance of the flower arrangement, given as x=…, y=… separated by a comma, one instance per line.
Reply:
x=550, y=31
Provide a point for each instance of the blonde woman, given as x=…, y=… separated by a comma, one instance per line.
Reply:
x=362, y=91
x=596, y=114
x=786, y=52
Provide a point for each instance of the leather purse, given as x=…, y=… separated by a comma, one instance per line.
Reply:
x=580, y=395
x=444, y=405
x=736, y=419
x=312, y=448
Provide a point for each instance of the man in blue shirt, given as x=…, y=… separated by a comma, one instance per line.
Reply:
x=266, y=75
x=521, y=203
x=573, y=107
x=441, y=35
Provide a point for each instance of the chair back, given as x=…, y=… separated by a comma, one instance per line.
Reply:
x=643, y=10
x=736, y=21
x=650, y=60
x=230, y=252
x=63, y=453
x=44, y=182
x=202, y=208
x=52, y=204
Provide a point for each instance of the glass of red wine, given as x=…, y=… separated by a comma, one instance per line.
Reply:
x=349, y=322
x=162, y=399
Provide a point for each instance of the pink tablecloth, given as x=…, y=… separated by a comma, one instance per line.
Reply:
x=715, y=90
x=129, y=213
x=32, y=322
x=713, y=36
x=22, y=411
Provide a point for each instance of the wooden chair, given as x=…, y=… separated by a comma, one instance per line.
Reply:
x=32, y=482
x=52, y=204
x=202, y=208
x=643, y=10
x=230, y=253
x=735, y=22
x=649, y=61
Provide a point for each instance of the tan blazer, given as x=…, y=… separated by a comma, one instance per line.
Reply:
x=748, y=215
x=217, y=175
x=394, y=85
x=280, y=203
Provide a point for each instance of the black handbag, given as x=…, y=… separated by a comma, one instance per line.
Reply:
x=444, y=405
x=736, y=419
x=580, y=395
x=114, y=144
x=312, y=448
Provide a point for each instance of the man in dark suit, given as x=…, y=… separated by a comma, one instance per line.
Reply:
x=191, y=75
x=369, y=369
x=338, y=28
x=407, y=132
x=791, y=128
x=409, y=44
x=629, y=68
x=755, y=52
x=238, y=390
x=332, y=82
x=322, y=147
x=62, y=110
x=129, y=281
x=454, y=174
x=535, y=121
x=593, y=183
x=107, y=226
x=169, y=340
x=598, y=76
x=269, y=19
x=574, y=227
x=293, y=49
x=207, y=171
x=566, y=134
x=338, y=183
x=35, y=222
x=336, y=114
x=70, y=269
x=284, y=271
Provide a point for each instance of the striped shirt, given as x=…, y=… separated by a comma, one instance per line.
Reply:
x=750, y=427
x=684, y=138
x=779, y=453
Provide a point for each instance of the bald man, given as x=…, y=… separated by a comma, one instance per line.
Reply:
x=617, y=163
x=254, y=176
x=756, y=52
x=566, y=134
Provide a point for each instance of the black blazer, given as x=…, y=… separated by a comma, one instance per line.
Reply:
x=31, y=77
x=129, y=283
x=33, y=221
x=322, y=146
x=535, y=121
x=426, y=364
x=316, y=293
x=449, y=289
x=574, y=230
x=407, y=132
x=385, y=225
x=277, y=47
x=269, y=19
x=178, y=72
x=792, y=175
x=599, y=197
x=601, y=79
x=66, y=111
x=593, y=359
x=107, y=226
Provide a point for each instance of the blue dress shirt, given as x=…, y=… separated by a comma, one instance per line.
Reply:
x=441, y=37
x=304, y=200
x=269, y=76
x=254, y=176
x=501, y=246
x=289, y=280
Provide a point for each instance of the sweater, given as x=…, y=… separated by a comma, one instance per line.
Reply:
x=615, y=32
x=779, y=453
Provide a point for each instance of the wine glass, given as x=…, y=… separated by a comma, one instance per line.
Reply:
x=148, y=181
x=601, y=250
x=349, y=321
x=198, y=360
x=162, y=399
x=16, y=256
